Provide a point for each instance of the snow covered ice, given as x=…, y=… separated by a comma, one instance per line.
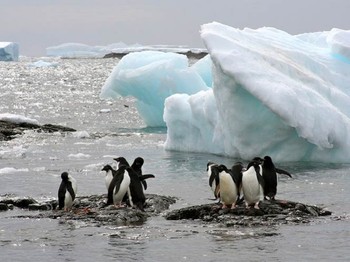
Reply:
x=272, y=94
x=9, y=51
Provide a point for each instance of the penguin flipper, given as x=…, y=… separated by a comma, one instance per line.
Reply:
x=61, y=195
x=144, y=183
x=146, y=176
x=259, y=176
x=283, y=172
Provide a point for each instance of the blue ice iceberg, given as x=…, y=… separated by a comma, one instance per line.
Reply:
x=151, y=77
x=272, y=94
x=9, y=51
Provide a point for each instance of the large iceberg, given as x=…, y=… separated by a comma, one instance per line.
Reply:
x=9, y=51
x=272, y=94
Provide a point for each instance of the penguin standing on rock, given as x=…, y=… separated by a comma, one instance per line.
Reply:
x=136, y=196
x=269, y=174
x=252, y=184
x=228, y=188
x=214, y=179
x=119, y=186
x=66, y=192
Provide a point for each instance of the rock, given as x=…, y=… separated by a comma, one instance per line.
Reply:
x=3, y=207
x=93, y=209
x=10, y=130
x=269, y=213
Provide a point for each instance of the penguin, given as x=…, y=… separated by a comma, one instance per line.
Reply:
x=228, y=188
x=66, y=192
x=110, y=172
x=119, y=186
x=270, y=178
x=136, y=196
x=252, y=184
x=137, y=166
x=214, y=179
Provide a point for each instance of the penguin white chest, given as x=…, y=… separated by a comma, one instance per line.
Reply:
x=68, y=199
x=250, y=186
x=124, y=186
x=228, y=189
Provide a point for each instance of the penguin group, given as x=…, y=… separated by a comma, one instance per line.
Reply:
x=248, y=184
x=125, y=185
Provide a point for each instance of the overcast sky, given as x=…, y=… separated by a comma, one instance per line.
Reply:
x=37, y=24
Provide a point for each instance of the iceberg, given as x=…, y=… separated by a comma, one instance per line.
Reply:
x=151, y=77
x=272, y=93
x=9, y=51
x=78, y=50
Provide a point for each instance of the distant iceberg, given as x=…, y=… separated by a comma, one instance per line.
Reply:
x=77, y=50
x=9, y=51
x=272, y=94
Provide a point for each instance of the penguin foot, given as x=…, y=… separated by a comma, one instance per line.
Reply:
x=256, y=206
x=224, y=206
x=120, y=205
x=233, y=206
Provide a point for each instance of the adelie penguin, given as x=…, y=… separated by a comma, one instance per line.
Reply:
x=214, y=179
x=66, y=192
x=229, y=185
x=252, y=184
x=118, y=186
x=127, y=183
x=137, y=167
x=269, y=174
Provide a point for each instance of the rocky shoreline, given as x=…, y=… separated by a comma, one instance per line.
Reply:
x=89, y=209
x=10, y=130
x=94, y=211
x=270, y=213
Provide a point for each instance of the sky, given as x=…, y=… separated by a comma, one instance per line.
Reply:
x=38, y=24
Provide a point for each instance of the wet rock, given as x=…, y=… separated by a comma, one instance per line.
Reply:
x=10, y=130
x=18, y=202
x=94, y=211
x=3, y=207
x=269, y=213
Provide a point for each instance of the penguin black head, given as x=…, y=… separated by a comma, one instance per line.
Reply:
x=138, y=162
x=106, y=168
x=268, y=161
x=64, y=176
x=210, y=164
x=258, y=160
x=222, y=168
x=121, y=161
x=238, y=166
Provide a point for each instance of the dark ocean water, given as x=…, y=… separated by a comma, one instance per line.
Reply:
x=30, y=165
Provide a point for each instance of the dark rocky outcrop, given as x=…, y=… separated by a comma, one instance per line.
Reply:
x=90, y=209
x=269, y=213
x=189, y=54
x=9, y=130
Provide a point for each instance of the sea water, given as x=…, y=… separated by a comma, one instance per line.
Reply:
x=30, y=165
